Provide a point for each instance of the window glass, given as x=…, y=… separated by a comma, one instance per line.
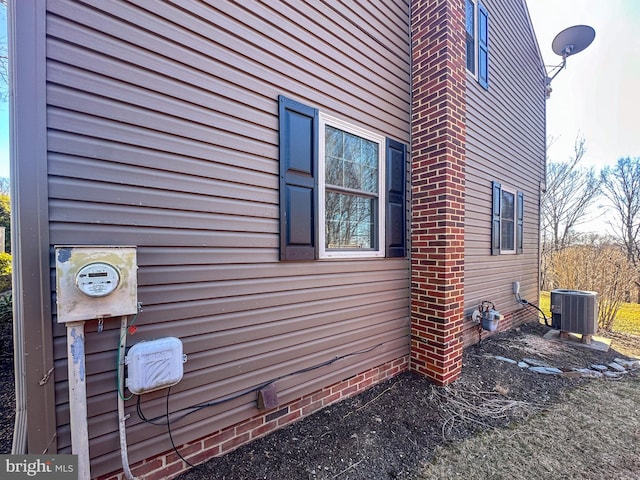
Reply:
x=350, y=161
x=349, y=221
x=342, y=188
x=350, y=190
x=507, y=221
x=471, y=43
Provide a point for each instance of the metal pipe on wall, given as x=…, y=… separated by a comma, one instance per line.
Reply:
x=122, y=418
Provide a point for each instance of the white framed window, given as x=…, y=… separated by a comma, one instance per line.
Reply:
x=351, y=199
x=507, y=221
x=470, y=27
x=507, y=224
x=343, y=189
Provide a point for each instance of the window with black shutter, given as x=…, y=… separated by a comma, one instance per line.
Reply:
x=507, y=220
x=342, y=188
x=477, y=41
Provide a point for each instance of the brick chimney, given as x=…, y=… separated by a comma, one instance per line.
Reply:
x=438, y=187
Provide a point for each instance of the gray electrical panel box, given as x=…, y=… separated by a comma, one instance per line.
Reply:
x=154, y=364
x=95, y=281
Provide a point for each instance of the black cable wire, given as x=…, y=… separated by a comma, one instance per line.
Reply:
x=175, y=449
x=522, y=301
x=141, y=416
x=196, y=408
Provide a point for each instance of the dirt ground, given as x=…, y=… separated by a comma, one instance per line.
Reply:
x=392, y=430
x=604, y=417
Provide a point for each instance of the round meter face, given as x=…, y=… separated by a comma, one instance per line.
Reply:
x=97, y=279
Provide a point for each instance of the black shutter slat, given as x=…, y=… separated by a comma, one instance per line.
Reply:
x=298, y=126
x=395, y=226
x=520, y=224
x=495, y=218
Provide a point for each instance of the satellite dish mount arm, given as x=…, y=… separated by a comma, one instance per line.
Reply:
x=555, y=70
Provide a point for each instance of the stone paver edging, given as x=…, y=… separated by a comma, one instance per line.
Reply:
x=615, y=369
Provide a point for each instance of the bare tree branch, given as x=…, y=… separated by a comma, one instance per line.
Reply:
x=570, y=192
x=621, y=185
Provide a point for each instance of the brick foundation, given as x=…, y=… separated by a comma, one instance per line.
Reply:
x=169, y=465
x=437, y=166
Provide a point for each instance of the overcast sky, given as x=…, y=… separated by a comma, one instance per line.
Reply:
x=597, y=95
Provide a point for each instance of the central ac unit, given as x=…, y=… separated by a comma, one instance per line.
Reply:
x=574, y=311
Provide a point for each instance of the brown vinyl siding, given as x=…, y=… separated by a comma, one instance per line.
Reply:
x=505, y=142
x=162, y=133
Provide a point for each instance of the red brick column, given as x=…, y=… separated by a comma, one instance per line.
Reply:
x=437, y=166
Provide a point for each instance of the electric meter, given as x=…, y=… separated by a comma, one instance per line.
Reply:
x=97, y=279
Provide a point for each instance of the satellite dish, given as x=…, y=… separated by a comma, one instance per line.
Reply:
x=573, y=40
x=568, y=42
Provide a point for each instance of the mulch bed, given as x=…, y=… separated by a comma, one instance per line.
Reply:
x=391, y=430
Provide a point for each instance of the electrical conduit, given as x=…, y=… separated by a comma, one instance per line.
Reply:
x=122, y=418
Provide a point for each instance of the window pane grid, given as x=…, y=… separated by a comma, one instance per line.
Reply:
x=349, y=221
x=350, y=161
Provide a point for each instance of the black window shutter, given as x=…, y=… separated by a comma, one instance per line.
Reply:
x=396, y=188
x=495, y=218
x=298, y=126
x=483, y=46
x=520, y=223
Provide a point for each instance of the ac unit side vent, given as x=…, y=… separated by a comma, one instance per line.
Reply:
x=574, y=311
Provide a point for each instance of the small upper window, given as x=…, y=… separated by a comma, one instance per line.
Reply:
x=507, y=220
x=471, y=36
x=350, y=199
x=477, y=41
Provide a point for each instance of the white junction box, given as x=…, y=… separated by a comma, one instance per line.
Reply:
x=94, y=281
x=154, y=364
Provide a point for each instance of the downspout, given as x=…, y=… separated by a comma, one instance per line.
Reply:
x=19, y=445
x=35, y=425
x=19, y=442
x=122, y=418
